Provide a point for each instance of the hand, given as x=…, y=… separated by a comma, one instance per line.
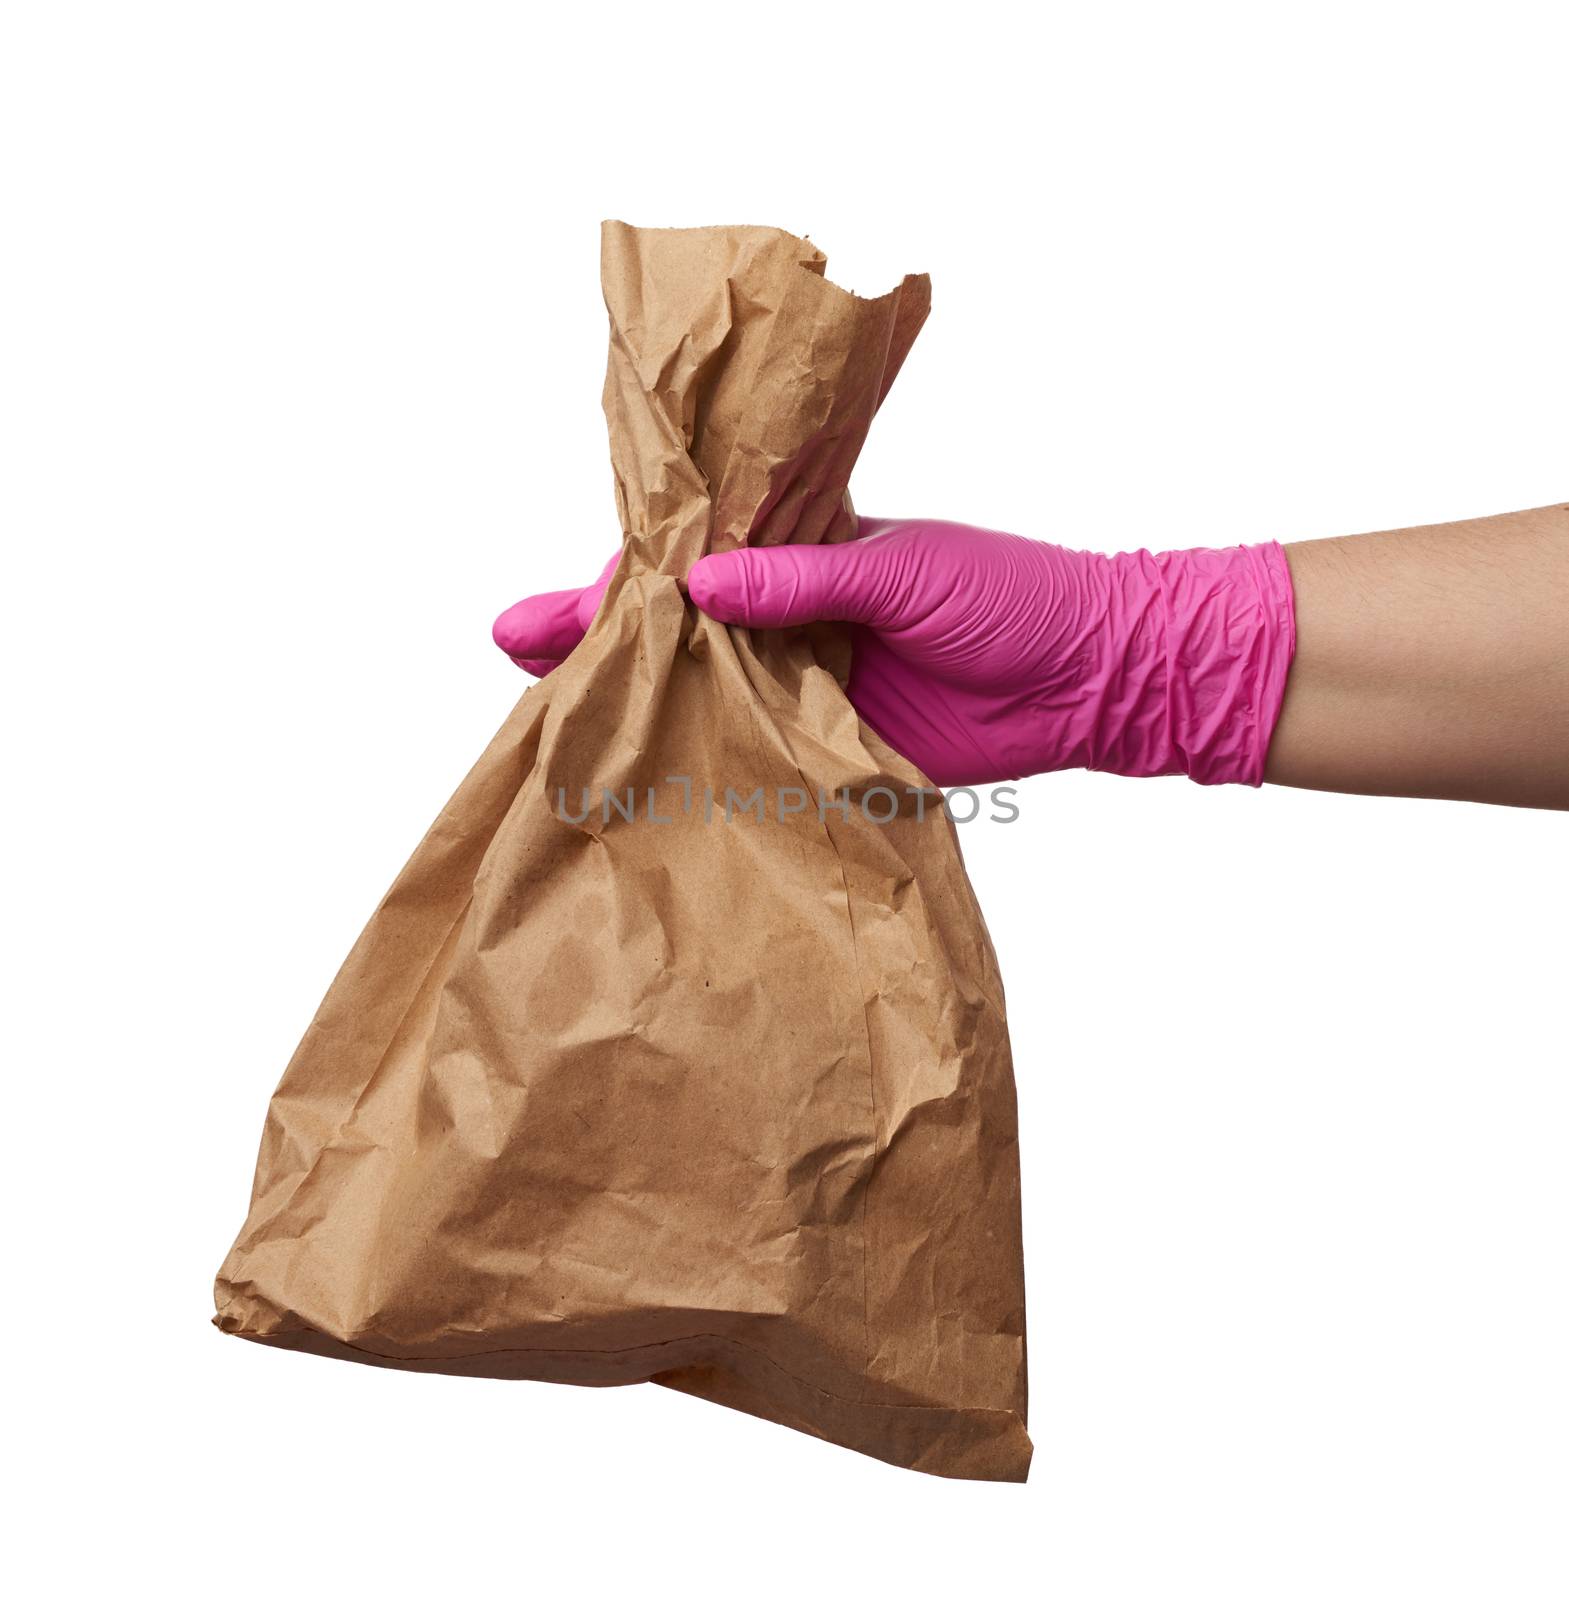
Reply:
x=981, y=656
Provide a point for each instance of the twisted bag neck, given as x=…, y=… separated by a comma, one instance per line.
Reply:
x=740, y=388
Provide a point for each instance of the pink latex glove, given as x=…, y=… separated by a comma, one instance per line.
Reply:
x=982, y=656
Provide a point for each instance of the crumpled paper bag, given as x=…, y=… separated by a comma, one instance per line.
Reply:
x=634, y=1075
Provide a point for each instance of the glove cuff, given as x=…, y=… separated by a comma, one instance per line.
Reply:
x=1207, y=639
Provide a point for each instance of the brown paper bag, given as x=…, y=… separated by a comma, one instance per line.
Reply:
x=625, y=1082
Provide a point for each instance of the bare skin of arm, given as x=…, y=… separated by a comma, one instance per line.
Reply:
x=1432, y=662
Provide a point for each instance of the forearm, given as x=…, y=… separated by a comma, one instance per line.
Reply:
x=1432, y=661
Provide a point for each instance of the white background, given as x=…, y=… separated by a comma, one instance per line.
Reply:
x=302, y=348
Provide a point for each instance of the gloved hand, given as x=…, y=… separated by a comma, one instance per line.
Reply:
x=982, y=656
